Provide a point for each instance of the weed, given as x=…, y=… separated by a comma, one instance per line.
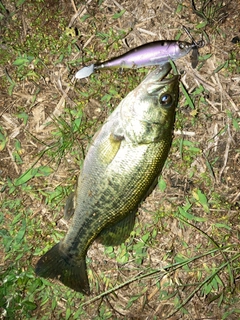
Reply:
x=183, y=253
x=211, y=11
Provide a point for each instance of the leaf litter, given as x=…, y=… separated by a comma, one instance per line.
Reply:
x=182, y=259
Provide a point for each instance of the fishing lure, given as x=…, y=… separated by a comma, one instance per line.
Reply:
x=195, y=46
x=149, y=54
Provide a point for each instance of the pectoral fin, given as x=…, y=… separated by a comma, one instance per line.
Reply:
x=119, y=232
x=109, y=148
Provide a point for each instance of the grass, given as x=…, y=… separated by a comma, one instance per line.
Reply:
x=183, y=254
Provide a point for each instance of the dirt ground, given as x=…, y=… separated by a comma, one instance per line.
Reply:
x=43, y=94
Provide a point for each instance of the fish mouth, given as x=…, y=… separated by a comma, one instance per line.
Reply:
x=160, y=77
x=159, y=73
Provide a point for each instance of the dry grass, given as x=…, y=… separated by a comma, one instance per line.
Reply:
x=46, y=93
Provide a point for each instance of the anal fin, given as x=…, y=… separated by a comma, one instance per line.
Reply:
x=119, y=232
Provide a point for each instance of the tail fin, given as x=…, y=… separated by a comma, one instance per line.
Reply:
x=85, y=72
x=56, y=265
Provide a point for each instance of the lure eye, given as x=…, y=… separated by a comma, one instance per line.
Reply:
x=181, y=45
x=166, y=100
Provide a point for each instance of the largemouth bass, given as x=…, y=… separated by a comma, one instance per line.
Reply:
x=149, y=54
x=121, y=168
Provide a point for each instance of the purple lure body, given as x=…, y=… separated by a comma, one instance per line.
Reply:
x=149, y=54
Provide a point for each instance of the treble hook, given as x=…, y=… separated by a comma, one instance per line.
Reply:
x=195, y=46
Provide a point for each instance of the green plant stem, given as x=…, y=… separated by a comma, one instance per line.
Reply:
x=168, y=269
x=201, y=285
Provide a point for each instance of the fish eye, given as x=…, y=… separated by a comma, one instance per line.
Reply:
x=166, y=100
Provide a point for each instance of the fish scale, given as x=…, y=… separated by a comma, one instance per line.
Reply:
x=120, y=169
x=100, y=201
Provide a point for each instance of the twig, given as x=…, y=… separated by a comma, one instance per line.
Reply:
x=207, y=84
x=185, y=133
x=147, y=32
x=165, y=270
x=209, y=278
x=236, y=197
x=211, y=104
x=58, y=110
x=78, y=13
x=231, y=101
x=229, y=139
x=118, y=5
x=12, y=158
x=74, y=7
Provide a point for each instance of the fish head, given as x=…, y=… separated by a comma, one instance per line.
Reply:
x=148, y=113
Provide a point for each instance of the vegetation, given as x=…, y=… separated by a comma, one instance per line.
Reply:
x=183, y=256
